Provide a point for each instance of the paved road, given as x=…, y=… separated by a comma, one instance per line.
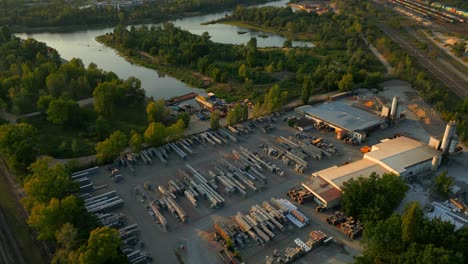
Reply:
x=457, y=85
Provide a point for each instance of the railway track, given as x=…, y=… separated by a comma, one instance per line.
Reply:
x=9, y=250
x=459, y=87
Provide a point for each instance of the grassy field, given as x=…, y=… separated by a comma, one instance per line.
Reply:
x=17, y=222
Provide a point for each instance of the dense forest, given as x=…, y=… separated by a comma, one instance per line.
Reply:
x=58, y=13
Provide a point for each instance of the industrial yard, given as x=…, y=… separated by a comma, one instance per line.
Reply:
x=195, y=236
x=166, y=201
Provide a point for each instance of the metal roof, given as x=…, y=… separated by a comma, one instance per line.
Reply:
x=400, y=153
x=322, y=189
x=361, y=168
x=342, y=115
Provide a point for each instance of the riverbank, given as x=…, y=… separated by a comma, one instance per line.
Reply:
x=231, y=90
x=161, y=19
x=143, y=59
x=291, y=36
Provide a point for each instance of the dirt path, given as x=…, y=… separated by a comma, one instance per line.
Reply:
x=379, y=56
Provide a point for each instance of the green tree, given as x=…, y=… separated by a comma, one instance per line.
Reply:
x=48, y=218
x=231, y=117
x=55, y=83
x=245, y=112
x=155, y=133
x=103, y=128
x=274, y=99
x=47, y=182
x=19, y=145
x=459, y=48
x=346, y=82
x=136, y=141
x=306, y=90
x=67, y=239
x=214, y=120
x=43, y=102
x=287, y=43
x=443, y=183
x=157, y=111
x=373, y=198
x=243, y=72
x=175, y=131
x=383, y=239
x=411, y=223
x=111, y=147
x=62, y=111
x=106, y=95
x=184, y=116
x=103, y=247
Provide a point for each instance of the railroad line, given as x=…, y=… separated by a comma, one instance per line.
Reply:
x=9, y=250
x=459, y=87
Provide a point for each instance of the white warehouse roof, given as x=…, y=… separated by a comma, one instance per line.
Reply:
x=390, y=156
x=336, y=176
x=400, y=153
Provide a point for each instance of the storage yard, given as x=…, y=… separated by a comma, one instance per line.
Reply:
x=170, y=197
x=242, y=182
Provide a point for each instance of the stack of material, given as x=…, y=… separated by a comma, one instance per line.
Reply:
x=103, y=203
x=292, y=254
x=302, y=245
x=300, y=194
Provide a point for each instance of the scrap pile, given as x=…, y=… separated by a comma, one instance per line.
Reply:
x=347, y=225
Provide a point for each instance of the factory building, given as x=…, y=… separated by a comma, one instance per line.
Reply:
x=347, y=120
x=344, y=118
x=402, y=156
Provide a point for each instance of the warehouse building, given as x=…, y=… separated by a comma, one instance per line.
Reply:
x=344, y=118
x=402, y=156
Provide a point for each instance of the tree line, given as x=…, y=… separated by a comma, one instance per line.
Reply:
x=60, y=13
x=31, y=74
x=393, y=238
x=59, y=216
x=343, y=66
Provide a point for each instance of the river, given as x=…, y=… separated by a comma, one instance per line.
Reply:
x=82, y=44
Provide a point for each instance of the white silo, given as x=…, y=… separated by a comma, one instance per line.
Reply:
x=453, y=144
x=449, y=131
